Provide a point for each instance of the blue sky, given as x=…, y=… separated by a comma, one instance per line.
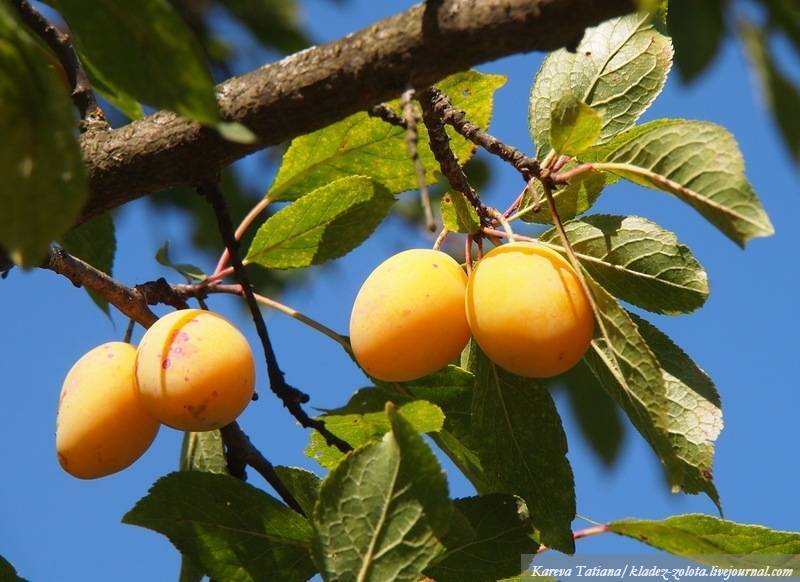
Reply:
x=54, y=527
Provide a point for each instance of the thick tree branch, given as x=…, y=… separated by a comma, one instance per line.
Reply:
x=323, y=84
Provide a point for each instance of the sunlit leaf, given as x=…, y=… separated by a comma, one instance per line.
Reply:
x=618, y=68
x=324, y=225
x=367, y=146
x=697, y=161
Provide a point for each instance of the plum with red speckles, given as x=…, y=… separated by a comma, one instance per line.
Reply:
x=195, y=370
x=102, y=425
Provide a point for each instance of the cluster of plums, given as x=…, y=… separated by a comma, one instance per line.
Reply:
x=193, y=371
x=523, y=304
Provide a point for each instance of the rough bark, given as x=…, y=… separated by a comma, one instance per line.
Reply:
x=323, y=84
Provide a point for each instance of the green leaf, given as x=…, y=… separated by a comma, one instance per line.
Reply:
x=716, y=542
x=360, y=429
x=364, y=145
x=200, y=451
x=203, y=451
x=697, y=29
x=667, y=398
x=458, y=214
x=501, y=534
x=94, y=242
x=575, y=198
x=597, y=415
x=8, y=573
x=574, y=126
x=324, y=225
x=189, y=571
x=274, y=23
x=44, y=181
x=781, y=94
x=229, y=529
x=658, y=10
x=147, y=54
x=637, y=261
x=185, y=269
x=382, y=510
x=236, y=132
x=302, y=484
x=694, y=413
x=522, y=447
x=626, y=368
x=698, y=162
x=619, y=67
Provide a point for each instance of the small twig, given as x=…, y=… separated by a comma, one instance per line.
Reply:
x=199, y=291
x=519, y=199
x=565, y=177
x=220, y=271
x=503, y=222
x=291, y=397
x=382, y=111
x=437, y=244
x=529, y=167
x=448, y=162
x=161, y=292
x=560, y=163
x=129, y=331
x=412, y=138
x=240, y=453
x=61, y=44
x=131, y=302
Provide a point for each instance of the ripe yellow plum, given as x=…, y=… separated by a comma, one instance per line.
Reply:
x=408, y=319
x=528, y=311
x=195, y=370
x=102, y=425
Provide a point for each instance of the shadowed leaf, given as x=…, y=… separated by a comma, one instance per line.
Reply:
x=229, y=529
x=44, y=182
x=522, y=447
x=382, y=510
x=147, y=54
